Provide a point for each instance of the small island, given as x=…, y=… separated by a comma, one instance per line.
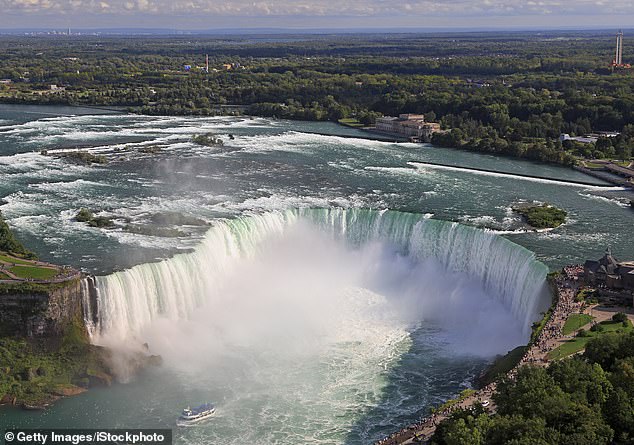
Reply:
x=87, y=216
x=78, y=157
x=158, y=223
x=542, y=216
x=208, y=140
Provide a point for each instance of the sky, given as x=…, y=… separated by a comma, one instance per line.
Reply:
x=302, y=14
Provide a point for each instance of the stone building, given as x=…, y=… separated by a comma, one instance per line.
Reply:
x=610, y=273
x=412, y=126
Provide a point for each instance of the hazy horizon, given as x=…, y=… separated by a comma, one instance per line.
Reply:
x=318, y=14
x=232, y=31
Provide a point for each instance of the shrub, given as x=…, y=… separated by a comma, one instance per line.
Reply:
x=10, y=244
x=620, y=317
x=597, y=328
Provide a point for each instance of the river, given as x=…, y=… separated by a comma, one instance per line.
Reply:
x=292, y=297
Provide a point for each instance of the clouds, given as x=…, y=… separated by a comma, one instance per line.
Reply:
x=335, y=14
x=323, y=8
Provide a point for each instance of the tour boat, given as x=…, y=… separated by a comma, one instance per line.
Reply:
x=190, y=416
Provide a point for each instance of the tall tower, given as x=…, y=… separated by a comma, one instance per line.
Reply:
x=207, y=63
x=618, y=59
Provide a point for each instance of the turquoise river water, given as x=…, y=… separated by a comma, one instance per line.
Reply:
x=318, y=289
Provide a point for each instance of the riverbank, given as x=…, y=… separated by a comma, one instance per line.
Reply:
x=363, y=132
x=45, y=350
x=549, y=337
x=37, y=372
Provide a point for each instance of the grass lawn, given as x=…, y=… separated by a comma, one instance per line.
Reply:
x=34, y=272
x=351, y=122
x=574, y=322
x=594, y=165
x=579, y=343
x=13, y=260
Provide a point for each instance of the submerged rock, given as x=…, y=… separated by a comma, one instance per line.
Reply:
x=41, y=404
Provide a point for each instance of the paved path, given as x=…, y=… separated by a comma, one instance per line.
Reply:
x=604, y=313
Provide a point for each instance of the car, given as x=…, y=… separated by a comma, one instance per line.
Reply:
x=486, y=403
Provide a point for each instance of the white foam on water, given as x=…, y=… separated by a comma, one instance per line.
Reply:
x=68, y=186
x=279, y=201
x=350, y=285
x=21, y=204
x=621, y=202
x=300, y=142
x=145, y=241
x=62, y=122
x=23, y=161
x=395, y=170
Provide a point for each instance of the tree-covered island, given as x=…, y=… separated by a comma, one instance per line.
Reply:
x=542, y=216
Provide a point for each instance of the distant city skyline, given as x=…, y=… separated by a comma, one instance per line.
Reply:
x=289, y=14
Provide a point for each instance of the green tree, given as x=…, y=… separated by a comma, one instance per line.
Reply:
x=619, y=411
x=517, y=430
x=603, y=350
x=622, y=375
x=586, y=383
x=530, y=395
x=9, y=243
x=619, y=317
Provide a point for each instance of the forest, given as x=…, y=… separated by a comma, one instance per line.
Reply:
x=583, y=400
x=505, y=93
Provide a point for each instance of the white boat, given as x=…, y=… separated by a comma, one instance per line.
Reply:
x=191, y=416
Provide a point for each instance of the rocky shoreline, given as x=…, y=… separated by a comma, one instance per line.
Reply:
x=95, y=368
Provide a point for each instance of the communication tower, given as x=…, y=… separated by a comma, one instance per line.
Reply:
x=618, y=54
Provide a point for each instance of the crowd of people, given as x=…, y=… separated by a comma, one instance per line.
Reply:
x=553, y=330
x=423, y=429
x=574, y=272
x=535, y=355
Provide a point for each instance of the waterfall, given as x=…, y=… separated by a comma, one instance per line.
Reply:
x=122, y=303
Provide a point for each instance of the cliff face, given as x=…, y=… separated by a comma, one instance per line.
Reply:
x=45, y=313
x=44, y=347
